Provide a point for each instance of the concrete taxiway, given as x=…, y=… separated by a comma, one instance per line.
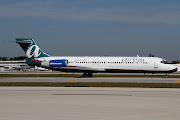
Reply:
x=93, y=79
x=47, y=103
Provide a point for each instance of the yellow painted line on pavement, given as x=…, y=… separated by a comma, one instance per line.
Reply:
x=177, y=81
x=72, y=80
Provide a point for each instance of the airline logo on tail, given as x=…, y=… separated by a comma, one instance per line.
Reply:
x=30, y=48
x=33, y=51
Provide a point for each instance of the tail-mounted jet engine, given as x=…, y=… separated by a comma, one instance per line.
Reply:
x=54, y=64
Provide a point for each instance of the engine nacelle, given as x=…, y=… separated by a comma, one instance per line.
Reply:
x=54, y=64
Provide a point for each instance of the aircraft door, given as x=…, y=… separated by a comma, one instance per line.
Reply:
x=155, y=65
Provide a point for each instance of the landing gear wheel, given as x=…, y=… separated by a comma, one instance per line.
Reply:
x=167, y=75
x=90, y=74
x=87, y=74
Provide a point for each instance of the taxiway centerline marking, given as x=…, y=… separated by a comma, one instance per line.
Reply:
x=177, y=81
x=72, y=80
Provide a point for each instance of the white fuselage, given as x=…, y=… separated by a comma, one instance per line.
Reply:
x=115, y=64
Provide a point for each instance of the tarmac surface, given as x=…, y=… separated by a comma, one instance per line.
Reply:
x=93, y=79
x=62, y=103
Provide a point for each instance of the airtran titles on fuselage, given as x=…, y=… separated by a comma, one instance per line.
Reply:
x=134, y=60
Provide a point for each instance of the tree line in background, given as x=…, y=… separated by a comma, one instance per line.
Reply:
x=25, y=58
x=13, y=58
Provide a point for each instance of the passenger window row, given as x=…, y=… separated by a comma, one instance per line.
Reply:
x=115, y=62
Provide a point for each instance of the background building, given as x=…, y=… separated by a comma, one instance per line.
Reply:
x=13, y=65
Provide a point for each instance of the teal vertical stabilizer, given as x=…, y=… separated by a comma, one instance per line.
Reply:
x=30, y=48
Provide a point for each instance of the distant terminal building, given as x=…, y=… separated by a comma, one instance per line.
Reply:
x=18, y=65
x=12, y=65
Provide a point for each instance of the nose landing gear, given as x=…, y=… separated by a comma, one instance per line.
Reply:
x=167, y=75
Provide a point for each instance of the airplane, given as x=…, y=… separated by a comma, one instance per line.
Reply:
x=90, y=65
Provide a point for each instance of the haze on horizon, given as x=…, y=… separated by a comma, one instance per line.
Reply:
x=92, y=27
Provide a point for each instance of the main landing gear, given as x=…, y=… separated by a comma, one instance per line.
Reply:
x=87, y=74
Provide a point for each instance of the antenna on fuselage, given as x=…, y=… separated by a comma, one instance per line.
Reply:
x=137, y=55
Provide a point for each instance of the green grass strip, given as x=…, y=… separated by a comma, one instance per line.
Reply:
x=91, y=84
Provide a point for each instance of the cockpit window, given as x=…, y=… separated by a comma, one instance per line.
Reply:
x=164, y=61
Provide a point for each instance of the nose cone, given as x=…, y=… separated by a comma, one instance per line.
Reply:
x=173, y=68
